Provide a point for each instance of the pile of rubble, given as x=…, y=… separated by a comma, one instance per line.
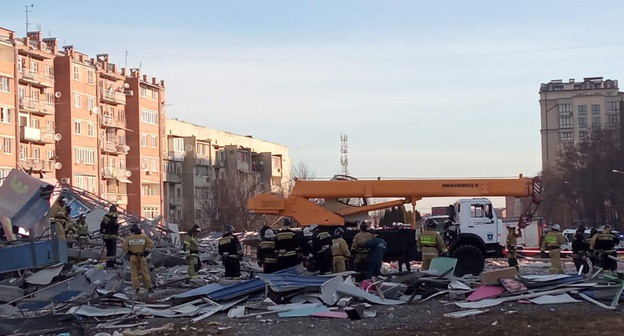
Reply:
x=65, y=298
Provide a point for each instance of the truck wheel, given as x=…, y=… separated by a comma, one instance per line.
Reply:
x=470, y=260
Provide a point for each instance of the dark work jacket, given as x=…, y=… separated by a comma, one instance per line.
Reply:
x=109, y=225
x=377, y=248
x=579, y=246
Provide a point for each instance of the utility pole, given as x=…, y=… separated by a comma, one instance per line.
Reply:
x=27, y=11
x=344, y=153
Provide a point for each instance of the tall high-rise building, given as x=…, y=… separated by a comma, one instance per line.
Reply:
x=145, y=116
x=8, y=95
x=570, y=110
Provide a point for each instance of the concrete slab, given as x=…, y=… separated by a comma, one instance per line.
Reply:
x=45, y=276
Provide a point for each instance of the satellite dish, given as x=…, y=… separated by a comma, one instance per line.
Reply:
x=57, y=94
x=58, y=165
x=58, y=137
x=169, y=157
x=78, y=161
x=128, y=173
x=127, y=148
x=188, y=148
x=127, y=85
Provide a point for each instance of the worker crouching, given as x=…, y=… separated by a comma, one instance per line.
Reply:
x=430, y=244
x=604, y=245
x=138, y=246
x=552, y=242
x=231, y=251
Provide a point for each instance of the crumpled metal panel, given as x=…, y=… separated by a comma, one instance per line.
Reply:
x=25, y=200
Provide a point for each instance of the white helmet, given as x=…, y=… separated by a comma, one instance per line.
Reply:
x=556, y=227
x=269, y=234
x=307, y=232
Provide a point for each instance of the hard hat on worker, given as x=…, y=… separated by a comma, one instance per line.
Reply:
x=431, y=224
x=135, y=229
x=556, y=227
x=269, y=234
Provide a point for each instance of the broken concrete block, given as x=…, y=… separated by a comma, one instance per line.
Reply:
x=493, y=277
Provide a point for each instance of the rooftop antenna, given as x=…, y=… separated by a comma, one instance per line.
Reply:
x=28, y=11
x=126, y=65
x=344, y=153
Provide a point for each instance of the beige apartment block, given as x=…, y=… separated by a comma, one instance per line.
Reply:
x=145, y=117
x=8, y=96
x=570, y=110
x=198, y=156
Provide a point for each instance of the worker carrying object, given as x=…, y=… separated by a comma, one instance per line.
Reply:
x=322, y=251
x=510, y=245
x=267, y=258
x=287, y=246
x=579, y=251
x=604, y=245
x=191, y=251
x=231, y=252
x=552, y=242
x=138, y=246
x=360, y=253
x=340, y=252
x=430, y=244
x=109, y=228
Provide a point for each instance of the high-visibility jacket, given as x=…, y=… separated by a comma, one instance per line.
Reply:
x=229, y=244
x=266, y=252
x=431, y=238
x=553, y=241
x=191, y=244
x=137, y=245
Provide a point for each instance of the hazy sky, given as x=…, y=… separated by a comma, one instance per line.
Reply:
x=422, y=88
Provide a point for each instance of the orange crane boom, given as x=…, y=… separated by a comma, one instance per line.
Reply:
x=299, y=206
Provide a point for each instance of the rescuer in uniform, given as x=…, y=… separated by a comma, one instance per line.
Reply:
x=360, y=253
x=377, y=248
x=593, y=233
x=231, y=251
x=604, y=245
x=430, y=244
x=109, y=228
x=552, y=242
x=61, y=220
x=322, y=251
x=266, y=256
x=82, y=230
x=510, y=244
x=287, y=246
x=305, y=244
x=138, y=246
x=340, y=252
x=579, y=251
x=191, y=250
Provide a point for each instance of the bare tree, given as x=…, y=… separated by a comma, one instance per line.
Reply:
x=301, y=171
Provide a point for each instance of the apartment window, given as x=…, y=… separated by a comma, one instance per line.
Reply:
x=203, y=149
x=154, y=94
x=150, y=212
x=178, y=144
x=85, y=155
x=77, y=100
x=23, y=152
x=613, y=119
x=243, y=156
x=90, y=129
x=122, y=164
x=143, y=91
x=34, y=66
x=149, y=117
x=565, y=109
x=50, y=125
x=595, y=121
x=595, y=109
x=49, y=98
x=85, y=182
x=145, y=164
x=143, y=140
x=566, y=136
x=20, y=64
x=5, y=115
x=90, y=103
x=77, y=127
x=202, y=171
x=34, y=123
x=5, y=84
x=7, y=146
x=582, y=121
x=76, y=72
x=36, y=153
x=582, y=109
x=154, y=141
x=583, y=135
x=21, y=92
x=90, y=77
x=148, y=190
x=613, y=106
x=34, y=94
x=50, y=154
x=49, y=71
x=154, y=165
x=276, y=162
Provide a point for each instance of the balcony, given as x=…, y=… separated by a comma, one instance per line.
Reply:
x=119, y=199
x=108, y=172
x=202, y=161
x=37, y=164
x=114, y=147
x=34, y=78
x=30, y=133
x=36, y=106
x=172, y=177
x=175, y=200
x=113, y=97
x=122, y=174
x=110, y=121
x=175, y=156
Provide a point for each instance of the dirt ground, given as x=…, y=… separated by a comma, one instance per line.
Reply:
x=416, y=319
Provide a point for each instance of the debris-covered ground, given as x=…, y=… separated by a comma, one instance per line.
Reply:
x=86, y=299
